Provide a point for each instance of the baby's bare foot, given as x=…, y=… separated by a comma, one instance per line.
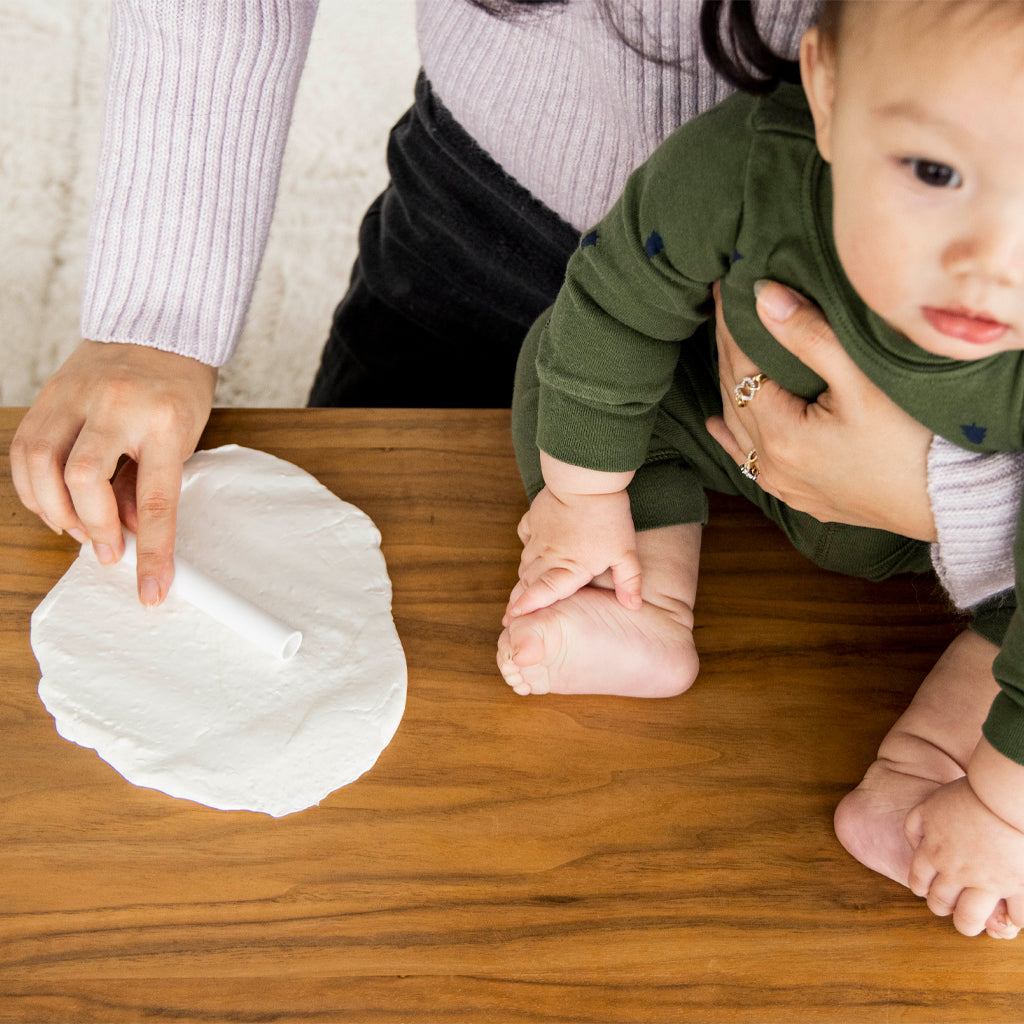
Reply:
x=869, y=824
x=590, y=643
x=869, y=821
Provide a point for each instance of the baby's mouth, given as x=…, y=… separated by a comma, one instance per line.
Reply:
x=974, y=328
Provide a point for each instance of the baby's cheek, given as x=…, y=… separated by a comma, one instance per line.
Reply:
x=879, y=271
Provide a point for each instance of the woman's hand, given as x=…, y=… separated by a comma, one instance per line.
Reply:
x=852, y=456
x=105, y=402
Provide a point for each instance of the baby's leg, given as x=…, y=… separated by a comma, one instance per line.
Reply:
x=589, y=643
x=929, y=745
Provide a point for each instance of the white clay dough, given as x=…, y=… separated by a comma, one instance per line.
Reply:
x=178, y=702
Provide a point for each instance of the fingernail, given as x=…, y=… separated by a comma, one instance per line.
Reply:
x=78, y=534
x=777, y=302
x=149, y=592
x=56, y=529
x=104, y=553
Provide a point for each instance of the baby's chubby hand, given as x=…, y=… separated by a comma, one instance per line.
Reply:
x=569, y=540
x=967, y=862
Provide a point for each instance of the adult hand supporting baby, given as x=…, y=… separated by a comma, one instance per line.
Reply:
x=107, y=401
x=852, y=456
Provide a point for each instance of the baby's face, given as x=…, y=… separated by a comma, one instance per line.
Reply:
x=920, y=113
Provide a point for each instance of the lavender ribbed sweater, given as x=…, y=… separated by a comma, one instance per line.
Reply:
x=558, y=100
x=200, y=96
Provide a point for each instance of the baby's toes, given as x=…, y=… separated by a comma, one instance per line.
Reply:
x=517, y=668
x=506, y=666
x=999, y=925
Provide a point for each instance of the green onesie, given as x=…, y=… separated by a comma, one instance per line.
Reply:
x=620, y=373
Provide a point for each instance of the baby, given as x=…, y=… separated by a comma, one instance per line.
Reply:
x=888, y=190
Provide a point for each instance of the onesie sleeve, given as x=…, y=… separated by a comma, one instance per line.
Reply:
x=1004, y=727
x=199, y=100
x=975, y=499
x=637, y=285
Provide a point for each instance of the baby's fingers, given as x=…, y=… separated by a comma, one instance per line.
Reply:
x=1001, y=924
x=973, y=910
x=922, y=871
x=627, y=580
x=517, y=592
x=549, y=587
x=523, y=529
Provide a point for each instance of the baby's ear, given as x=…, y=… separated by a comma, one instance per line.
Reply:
x=818, y=74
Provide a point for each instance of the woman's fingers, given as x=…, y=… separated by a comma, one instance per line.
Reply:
x=718, y=429
x=38, y=456
x=108, y=401
x=730, y=431
x=851, y=455
x=801, y=327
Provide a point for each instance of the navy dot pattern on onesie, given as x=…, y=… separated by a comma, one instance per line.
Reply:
x=654, y=244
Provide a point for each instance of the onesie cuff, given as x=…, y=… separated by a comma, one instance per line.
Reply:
x=608, y=440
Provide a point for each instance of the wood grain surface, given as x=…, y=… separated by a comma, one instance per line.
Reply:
x=508, y=859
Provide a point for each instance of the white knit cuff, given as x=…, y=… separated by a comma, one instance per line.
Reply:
x=199, y=100
x=976, y=501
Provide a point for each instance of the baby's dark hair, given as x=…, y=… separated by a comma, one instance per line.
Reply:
x=733, y=45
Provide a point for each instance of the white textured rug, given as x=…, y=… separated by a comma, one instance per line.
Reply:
x=358, y=80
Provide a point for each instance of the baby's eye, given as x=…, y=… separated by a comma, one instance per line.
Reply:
x=933, y=174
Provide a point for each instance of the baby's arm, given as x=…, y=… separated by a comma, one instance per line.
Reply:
x=578, y=527
x=968, y=841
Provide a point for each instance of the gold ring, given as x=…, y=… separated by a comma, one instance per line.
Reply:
x=749, y=468
x=747, y=388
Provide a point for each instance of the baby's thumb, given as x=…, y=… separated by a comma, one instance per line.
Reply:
x=913, y=828
x=627, y=579
x=555, y=584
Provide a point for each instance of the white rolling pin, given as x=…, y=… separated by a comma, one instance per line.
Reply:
x=230, y=609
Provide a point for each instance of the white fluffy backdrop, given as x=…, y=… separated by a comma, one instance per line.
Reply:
x=358, y=79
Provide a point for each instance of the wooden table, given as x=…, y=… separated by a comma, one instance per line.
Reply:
x=508, y=859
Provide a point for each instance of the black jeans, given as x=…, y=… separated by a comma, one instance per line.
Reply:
x=456, y=260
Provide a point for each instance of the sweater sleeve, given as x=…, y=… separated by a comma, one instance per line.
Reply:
x=975, y=499
x=636, y=287
x=199, y=100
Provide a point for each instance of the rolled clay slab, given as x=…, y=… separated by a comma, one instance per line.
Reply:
x=174, y=700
